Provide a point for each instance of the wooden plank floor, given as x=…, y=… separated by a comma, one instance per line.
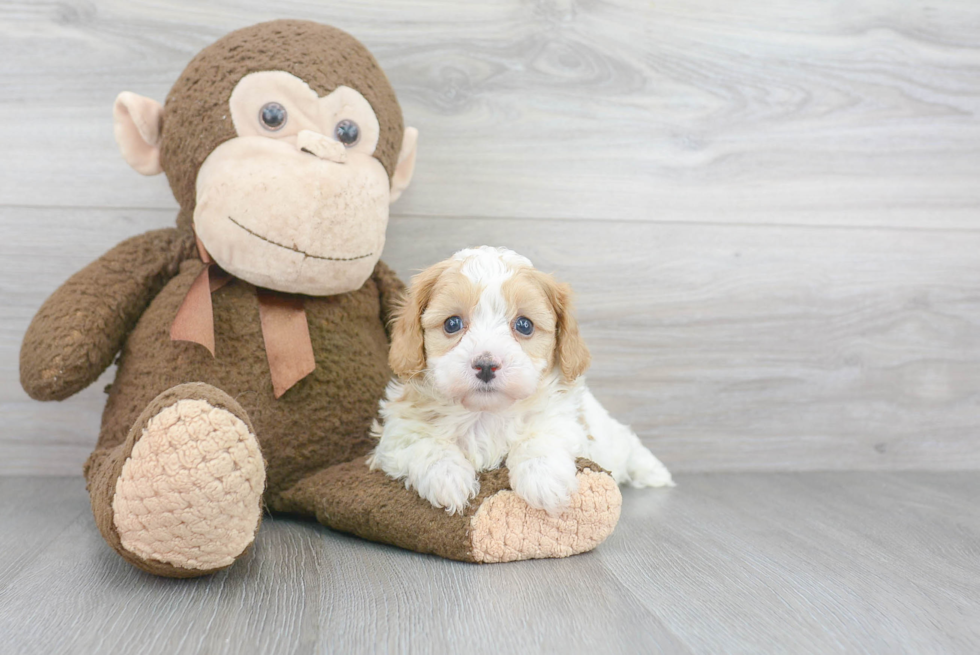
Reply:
x=752, y=562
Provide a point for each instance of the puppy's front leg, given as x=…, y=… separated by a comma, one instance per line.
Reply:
x=438, y=471
x=543, y=472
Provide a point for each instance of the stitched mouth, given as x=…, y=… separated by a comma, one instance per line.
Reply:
x=297, y=250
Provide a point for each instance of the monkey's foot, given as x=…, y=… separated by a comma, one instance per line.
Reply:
x=505, y=529
x=189, y=495
x=498, y=526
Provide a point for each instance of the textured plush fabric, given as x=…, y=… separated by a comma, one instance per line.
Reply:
x=353, y=498
x=104, y=468
x=505, y=529
x=78, y=330
x=190, y=492
x=497, y=526
x=322, y=420
x=323, y=56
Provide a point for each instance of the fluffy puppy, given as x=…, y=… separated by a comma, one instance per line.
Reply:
x=489, y=365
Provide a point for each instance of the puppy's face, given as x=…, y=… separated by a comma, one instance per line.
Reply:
x=485, y=327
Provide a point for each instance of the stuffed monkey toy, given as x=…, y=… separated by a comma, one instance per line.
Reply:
x=252, y=337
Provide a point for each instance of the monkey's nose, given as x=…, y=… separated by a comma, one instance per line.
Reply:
x=321, y=146
x=487, y=369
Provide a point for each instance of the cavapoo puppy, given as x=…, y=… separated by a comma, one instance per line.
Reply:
x=489, y=365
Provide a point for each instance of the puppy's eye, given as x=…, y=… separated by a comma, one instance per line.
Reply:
x=453, y=325
x=524, y=326
x=347, y=132
x=273, y=116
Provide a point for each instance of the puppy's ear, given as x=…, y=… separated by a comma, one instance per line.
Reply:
x=407, y=354
x=570, y=350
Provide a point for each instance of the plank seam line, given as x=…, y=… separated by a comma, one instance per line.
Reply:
x=637, y=221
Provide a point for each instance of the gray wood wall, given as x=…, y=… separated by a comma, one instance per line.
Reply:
x=770, y=211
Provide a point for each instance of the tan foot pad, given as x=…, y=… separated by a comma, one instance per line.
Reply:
x=505, y=529
x=190, y=493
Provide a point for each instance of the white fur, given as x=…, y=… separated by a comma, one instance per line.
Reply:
x=437, y=431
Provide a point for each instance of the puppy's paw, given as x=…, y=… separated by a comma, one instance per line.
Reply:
x=544, y=482
x=450, y=483
x=645, y=470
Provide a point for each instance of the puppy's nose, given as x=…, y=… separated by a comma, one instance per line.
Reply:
x=486, y=369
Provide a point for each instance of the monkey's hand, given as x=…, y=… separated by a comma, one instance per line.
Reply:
x=81, y=326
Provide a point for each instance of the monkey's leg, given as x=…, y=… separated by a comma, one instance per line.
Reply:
x=498, y=526
x=182, y=495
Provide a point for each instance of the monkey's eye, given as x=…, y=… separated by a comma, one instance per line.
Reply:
x=453, y=325
x=524, y=326
x=347, y=132
x=273, y=116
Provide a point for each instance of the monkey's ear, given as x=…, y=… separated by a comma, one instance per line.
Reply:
x=406, y=163
x=137, y=122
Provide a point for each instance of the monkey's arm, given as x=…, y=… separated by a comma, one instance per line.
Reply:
x=81, y=326
x=390, y=289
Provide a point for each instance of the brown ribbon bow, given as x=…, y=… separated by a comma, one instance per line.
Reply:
x=284, y=328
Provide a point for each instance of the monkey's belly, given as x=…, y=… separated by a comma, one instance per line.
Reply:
x=321, y=421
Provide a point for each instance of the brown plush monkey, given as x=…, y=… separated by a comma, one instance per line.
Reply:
x=252, y=336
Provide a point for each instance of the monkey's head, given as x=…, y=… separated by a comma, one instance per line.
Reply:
x=284, y=145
